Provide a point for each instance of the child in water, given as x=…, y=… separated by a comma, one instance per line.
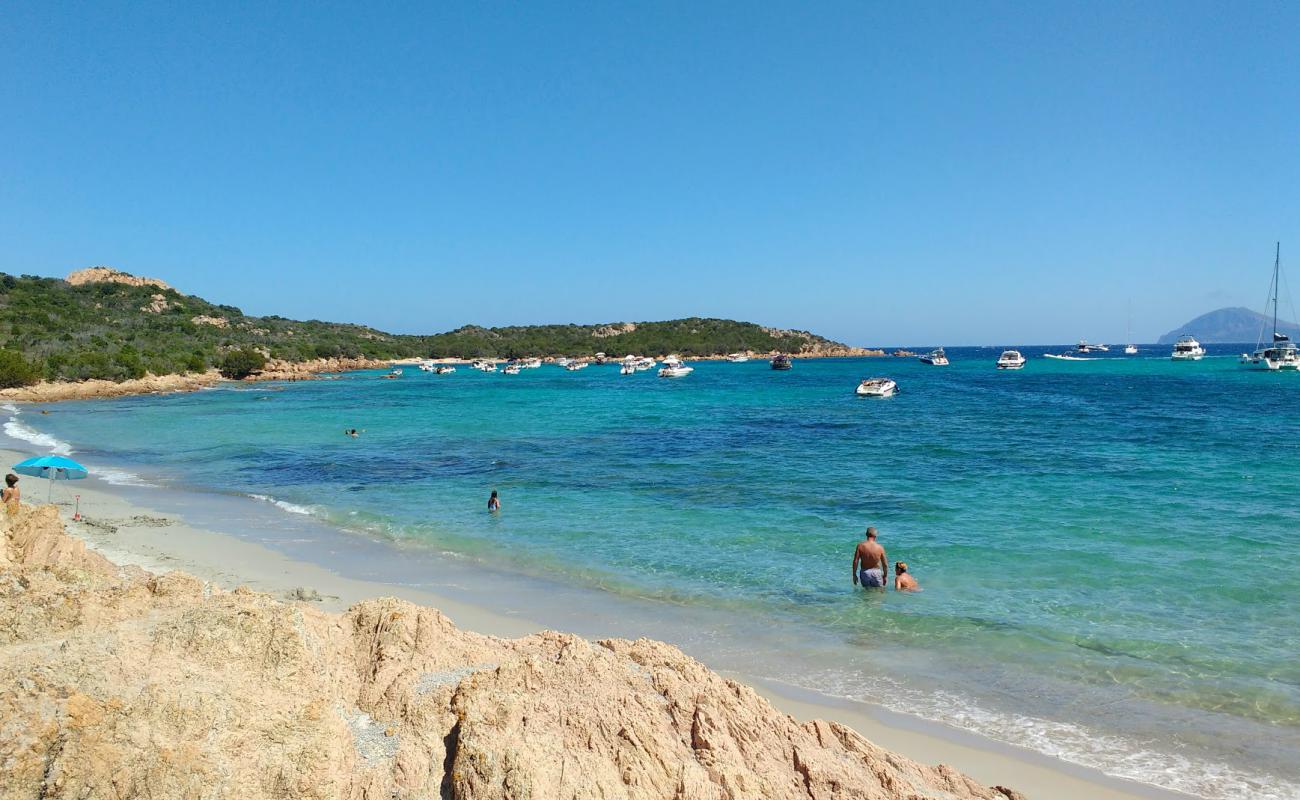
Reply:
x=903, y=580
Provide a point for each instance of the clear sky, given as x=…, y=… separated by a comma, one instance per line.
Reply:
x=893, y=173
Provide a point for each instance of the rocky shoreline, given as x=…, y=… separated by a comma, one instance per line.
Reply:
x=118, y=682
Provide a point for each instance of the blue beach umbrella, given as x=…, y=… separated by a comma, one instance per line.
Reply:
x=52, y=468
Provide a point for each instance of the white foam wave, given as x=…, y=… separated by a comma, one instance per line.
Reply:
x=1115, y=755
x=17, y=430
x=283, y=505
x=118, y=477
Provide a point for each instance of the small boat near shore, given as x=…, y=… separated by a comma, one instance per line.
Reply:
x=781, y=361
x=876, y=387
x=738, y=358
x=511, y=369
x=1066, y=357
x=935, y=358
x=674, y=368
x=443, y=369
x=1011, y=359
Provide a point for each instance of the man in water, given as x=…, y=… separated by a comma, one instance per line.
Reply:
x=870, y=563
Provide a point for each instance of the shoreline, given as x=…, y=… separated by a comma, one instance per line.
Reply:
x=131, y=530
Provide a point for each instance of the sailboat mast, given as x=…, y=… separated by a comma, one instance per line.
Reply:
x=1277, y=260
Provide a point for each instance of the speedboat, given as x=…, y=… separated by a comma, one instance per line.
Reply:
x=397, y=373
x=643, y=364
x=511, y=369
x=600, y=358
x=482, y=365
x=574, y=366
x=876, y=387
x=1084, y=347
x=530, y=363
x=678, y=370
x=425, y=366
x=782, y=361
x=1066, y=357
x=627, y=369
x=1187, y=349
x=935, y=358
x=443, y=369
x=562, y=361
x=1011, y=359
x=1281, y=352
x=738, y=358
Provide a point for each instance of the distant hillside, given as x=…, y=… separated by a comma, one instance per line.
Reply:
x=107, y=324
x=1230, y=325
x=688, y=337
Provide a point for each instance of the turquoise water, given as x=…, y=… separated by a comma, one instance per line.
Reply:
x=1108, y=548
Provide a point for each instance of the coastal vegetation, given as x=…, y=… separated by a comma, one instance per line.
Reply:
x=105, y=324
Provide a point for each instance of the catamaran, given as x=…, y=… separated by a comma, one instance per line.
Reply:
x=1281, y=352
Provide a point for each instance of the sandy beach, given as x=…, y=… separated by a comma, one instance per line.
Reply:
x=131, y=531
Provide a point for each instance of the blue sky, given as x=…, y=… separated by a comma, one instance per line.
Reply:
x=954, y=173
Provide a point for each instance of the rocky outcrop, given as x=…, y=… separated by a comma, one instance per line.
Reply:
x=281, y=370
x=50, y=392
x=118, y=683
x=110, y=275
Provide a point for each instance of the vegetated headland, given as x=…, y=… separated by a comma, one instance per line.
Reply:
x=104, y=325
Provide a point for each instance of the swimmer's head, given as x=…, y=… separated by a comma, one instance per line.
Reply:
x=871, y=533
x=900, y=567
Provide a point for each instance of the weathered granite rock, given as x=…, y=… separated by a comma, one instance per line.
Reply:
x=110, y=275
x=118, y=683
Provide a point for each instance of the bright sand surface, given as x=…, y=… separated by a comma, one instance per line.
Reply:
x=128, y=531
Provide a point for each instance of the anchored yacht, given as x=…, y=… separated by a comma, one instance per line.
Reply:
x=1281, y=352
x=1187, y=349
x=935, y=358
x=738, y=358
x=1011, y=359
x=782, y=361
x=876, y=387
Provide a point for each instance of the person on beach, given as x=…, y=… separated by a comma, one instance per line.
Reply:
x=903, y=580
x=10, y=494
x=869, y=563
x=494, y=502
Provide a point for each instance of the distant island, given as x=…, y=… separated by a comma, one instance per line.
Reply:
x=1230, y=326
x=104, y=324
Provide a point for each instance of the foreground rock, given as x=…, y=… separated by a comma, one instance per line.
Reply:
x=54, y=391
x=118, y=683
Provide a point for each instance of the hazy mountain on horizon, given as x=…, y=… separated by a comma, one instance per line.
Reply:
x=1230, y=325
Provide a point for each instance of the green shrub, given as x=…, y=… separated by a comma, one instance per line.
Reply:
x=239, y=364
x=16, y=370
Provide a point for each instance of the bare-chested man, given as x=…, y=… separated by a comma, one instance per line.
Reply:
x=870, y=563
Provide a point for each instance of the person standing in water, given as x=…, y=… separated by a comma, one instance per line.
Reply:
x=10, y=494
x=870, y=564
x=494, y=503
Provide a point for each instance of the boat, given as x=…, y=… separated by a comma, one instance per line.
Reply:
x=425, y=366
x=643, y=364
x=1011, y=359
x=1130, y=349
x=627, y=369
x=482, y=365
x=1084, y=347
x=511, y=369
x=443, y=369
x=531, y=363
x=876, y=387
x=574, y=366
x=738, y=358
x=935, y=358
x=1187, y=349
x=397, y=373
x=1066, y=357
x=600, y=358
x=562, y=361
x=678, y=370
x=1280, y=353
x=781, y=361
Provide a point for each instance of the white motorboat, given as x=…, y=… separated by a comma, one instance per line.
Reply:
x=1187, y=349
x=876, y=387
x=1084, y=347
x=738, y=358
x=935, y=358
x=511, y=369
x=444, y=369
x=1130, y=349
x=644, y=364
x=1066, y=357
x=562, y=361
x=627, y=369
x=574, y=366
x=425, y=366
x=678, y=370
x=1281, y=352
x=530, y=363
x=600, y=358
x=484, y=366
x=397, y=373
x=1011, y=359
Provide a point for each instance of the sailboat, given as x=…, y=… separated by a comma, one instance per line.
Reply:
x=1281, y=352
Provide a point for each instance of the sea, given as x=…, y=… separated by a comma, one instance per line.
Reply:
x=1109, y=549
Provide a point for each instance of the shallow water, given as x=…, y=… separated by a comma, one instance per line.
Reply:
x=1108, y=548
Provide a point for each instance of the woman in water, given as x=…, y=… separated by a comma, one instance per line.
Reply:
x=903, y=580
x=494, y=503
x=10, y=494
